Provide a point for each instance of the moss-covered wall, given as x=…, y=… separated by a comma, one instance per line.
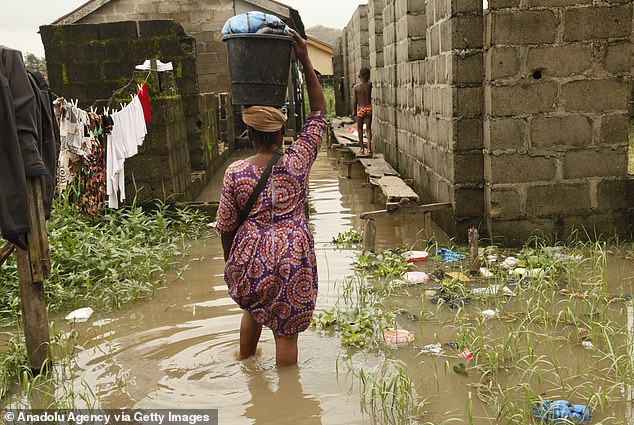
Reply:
x=90, y=61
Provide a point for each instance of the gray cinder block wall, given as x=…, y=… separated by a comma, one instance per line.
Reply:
x=92, y=62
x=517, y=115
x=556, y=119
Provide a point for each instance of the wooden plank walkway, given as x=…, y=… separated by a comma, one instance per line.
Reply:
x=396, y=191
x=377, y=167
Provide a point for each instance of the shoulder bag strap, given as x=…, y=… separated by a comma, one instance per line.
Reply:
x=258, y=188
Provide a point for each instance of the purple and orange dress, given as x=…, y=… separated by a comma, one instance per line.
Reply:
x=272, y=270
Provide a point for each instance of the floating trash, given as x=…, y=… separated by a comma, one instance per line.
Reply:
x=484, y=272
x=561, y=412
x=488, y=290
x=587, y=345
x=459, y=276
x=448, y=256
x=416, y=277
x=397, y=336
x=490, y=313
x=510, y=263
x=466, y=354
x=522, y=272
x=432, y=349
x=80, y=315
x=417, y=256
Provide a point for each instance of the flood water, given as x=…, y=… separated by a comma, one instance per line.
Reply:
x=179, y=349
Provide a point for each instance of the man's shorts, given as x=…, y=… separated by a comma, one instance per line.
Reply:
x=364, y=111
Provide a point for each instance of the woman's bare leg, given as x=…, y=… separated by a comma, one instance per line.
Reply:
x=285, y=349
x=250, y=331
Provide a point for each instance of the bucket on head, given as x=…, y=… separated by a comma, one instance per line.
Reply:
x=258, y=68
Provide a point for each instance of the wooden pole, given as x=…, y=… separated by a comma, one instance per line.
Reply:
x=33, y=268
x=6, y=252
x=474, y=267
x=369, y=235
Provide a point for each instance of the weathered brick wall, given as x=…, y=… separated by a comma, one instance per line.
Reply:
x=428, y=102
x=90, y=61
x=339, y=79
x=556, y=101
x=539, y=142
x=351, y=53
x=161, y=169
x=202, y=19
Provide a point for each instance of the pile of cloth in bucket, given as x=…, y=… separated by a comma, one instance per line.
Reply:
x=254, y=23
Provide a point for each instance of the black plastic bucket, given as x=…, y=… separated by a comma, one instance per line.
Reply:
x=258, y=68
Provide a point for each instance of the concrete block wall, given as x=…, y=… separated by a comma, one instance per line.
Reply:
x=161, y=170
x=556, y=118
x=428, y=103
x=201, y=19
x=351, y=53
x=90, y=61
x=339, y=77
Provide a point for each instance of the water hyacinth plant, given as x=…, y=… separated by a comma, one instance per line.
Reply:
x=559, y=324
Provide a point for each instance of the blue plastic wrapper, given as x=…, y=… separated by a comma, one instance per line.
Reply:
x=561, y=412
x=449, y=256
x=254, y=22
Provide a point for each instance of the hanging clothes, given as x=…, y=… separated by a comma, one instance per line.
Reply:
x=20, y=155
x=92, y=177
x=128, y=133
x=144, y=97
x=75, y=142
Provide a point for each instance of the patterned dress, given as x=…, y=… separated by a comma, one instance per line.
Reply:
x=272, y=269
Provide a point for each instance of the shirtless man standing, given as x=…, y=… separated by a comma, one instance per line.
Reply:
x=363, y=107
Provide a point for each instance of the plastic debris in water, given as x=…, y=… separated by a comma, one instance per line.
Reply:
x=430, y=293
x=397, y=336
x=587, y=345
x=520, y=271
x=417, y=256
x=510, y=263
x=490, y=313
x=459, y=276
x=80, y=315
x=484, y=272
x=466, y=354
x=561, y=412
x=489, y=290
x=432, y=348
x=416, y=277
x=449, y=256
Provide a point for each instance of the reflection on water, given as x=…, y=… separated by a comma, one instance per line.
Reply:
x=179, y=349
x=277, y=394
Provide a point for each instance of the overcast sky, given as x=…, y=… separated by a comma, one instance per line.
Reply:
x=20, y=20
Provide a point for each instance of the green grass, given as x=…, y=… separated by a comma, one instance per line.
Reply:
x=106, y=261
x=560, y=300
x=329, y=94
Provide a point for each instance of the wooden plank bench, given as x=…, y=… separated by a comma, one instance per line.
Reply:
x=347, y=142
x=408, y=207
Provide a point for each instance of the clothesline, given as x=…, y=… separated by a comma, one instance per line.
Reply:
x=94, y=148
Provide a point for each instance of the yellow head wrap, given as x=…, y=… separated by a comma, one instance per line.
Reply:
x=264, y=118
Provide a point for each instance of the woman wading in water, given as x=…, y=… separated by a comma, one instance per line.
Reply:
x=271, y=269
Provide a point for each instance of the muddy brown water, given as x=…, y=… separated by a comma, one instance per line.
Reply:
x=178, y=349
